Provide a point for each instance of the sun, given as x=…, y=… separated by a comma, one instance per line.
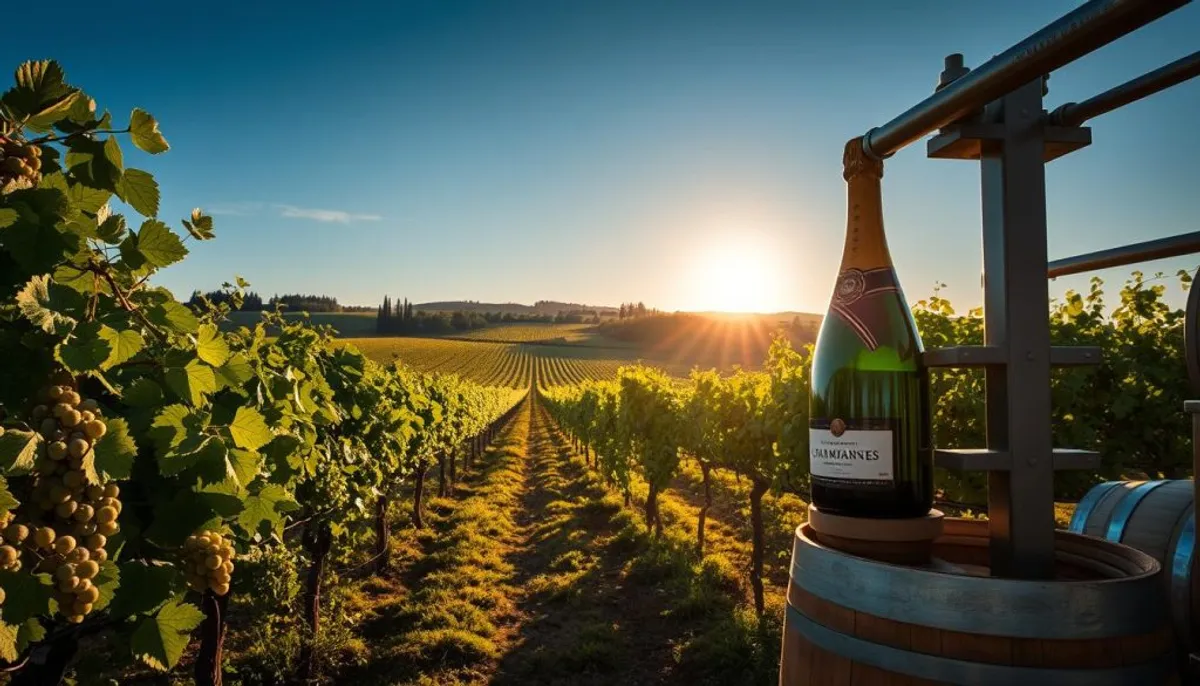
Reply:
x=734, y=277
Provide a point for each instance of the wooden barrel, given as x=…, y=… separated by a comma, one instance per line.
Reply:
x=853, y=621
x=1157, y=518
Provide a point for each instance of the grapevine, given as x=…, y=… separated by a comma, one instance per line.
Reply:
x=120, y=407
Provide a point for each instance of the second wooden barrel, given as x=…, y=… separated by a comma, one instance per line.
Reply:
x=852, y=621
x=1156, y=517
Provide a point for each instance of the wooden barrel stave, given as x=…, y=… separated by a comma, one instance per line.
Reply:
x=830, y=638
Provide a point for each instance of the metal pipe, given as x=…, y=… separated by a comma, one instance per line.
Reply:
x=1160, y=248
x=1068, y=38
x=1074, y=114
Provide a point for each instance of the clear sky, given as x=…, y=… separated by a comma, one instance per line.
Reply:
x=597, y=151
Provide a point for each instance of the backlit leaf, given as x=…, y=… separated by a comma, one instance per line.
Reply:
x=140, y=191
x=143, y=129
x=159, y=245
x=211, y=346
x=249, y=430
x=160, y=640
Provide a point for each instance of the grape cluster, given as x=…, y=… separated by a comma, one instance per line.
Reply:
x=208, y=562
x=72, y=517
x=20, y=165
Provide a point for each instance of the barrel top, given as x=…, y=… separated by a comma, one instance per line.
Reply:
x=1046, y=609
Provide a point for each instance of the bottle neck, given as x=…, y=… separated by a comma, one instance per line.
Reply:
x=866, y=245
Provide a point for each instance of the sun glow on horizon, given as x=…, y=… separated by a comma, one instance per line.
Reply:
x=737, y=276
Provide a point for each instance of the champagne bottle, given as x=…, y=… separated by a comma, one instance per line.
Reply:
x=870, y=452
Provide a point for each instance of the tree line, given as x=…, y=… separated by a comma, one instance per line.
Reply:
x=253, y=302
x=400, y=317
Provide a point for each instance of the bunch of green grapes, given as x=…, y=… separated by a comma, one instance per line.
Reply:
x=208, y=562
x=20, y=165
x=65, y=531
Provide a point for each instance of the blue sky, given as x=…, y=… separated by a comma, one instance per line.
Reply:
x=597, y=151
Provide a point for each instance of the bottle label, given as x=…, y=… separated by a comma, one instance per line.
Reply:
x=851, y=452
x=854, y=300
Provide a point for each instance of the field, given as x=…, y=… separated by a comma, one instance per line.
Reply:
x=537, y=333
x=516, y=365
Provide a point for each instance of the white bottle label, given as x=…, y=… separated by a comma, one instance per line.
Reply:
x=851, y=454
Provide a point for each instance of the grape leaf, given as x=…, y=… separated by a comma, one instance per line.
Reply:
x=14, y=638
x=249, y=430
x=212, y=461
x=26, y=595
x=42, y=302
x=235, y=372
x=210, y=346
x=8, y=217
x=267, y=507
x=244, y=465
x=159, y=245
x=143, y=392
x=188, y=511
x=140, y=191
x=7, y=501
x=145, y=586
x=191, y=382
x=115, y=451
x=169, y=427
x=8, y=641
x=201, y=228
x=87, y=198
x=112, y=229
x=124, y=344
x=85, y=350
x=173, y=316
x=39, y=91
x=143, y=129
x=18, y=450
x=160, y=640
x=108, y=580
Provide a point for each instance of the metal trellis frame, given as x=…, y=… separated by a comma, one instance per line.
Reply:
x=995, y=114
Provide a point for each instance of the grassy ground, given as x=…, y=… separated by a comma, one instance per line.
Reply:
x=534, y=572
x=346, y=323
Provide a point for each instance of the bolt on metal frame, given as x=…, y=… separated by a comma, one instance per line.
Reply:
x=994, y=114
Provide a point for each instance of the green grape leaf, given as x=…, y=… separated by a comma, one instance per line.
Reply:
x=235, y=372
x=18, y=451
x=160, y=640
x=170, y=427
x=42, y=302
x=112, y=230
x=192, y=382
x=115, y=451
x=187, y=512
x=244, y=465
x=174, y=316
x=143, y=129
x=31, y=631
x=87, y=198
x=201, y=228
x=159, y=246
x=8, y=217
x=40, y=88
x=8, y=641
x=249, y=430
x=140, y=191
x=212, y=462
x=112, y=152
x=211, y=346
x=190, y=451
x=282, y=457
x=108, y=581
x=145, y=587
x=267, y=507
x=85, y=350
x=7, y=501
x=124, y=344
x=25, y=595
x=143, y=393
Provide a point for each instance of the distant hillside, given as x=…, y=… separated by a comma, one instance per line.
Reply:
x=540, y=307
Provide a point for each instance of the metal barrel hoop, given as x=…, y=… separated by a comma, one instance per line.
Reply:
x=1084, y=508
x=1125, y=508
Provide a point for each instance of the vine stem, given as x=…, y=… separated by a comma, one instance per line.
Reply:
x=112, y=283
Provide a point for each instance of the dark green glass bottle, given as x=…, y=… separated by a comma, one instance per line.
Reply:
x=870, y=453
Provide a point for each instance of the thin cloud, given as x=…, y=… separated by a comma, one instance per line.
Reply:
x=235, y=209
x=335, y=216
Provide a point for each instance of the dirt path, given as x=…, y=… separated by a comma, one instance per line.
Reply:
x=534, y=573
